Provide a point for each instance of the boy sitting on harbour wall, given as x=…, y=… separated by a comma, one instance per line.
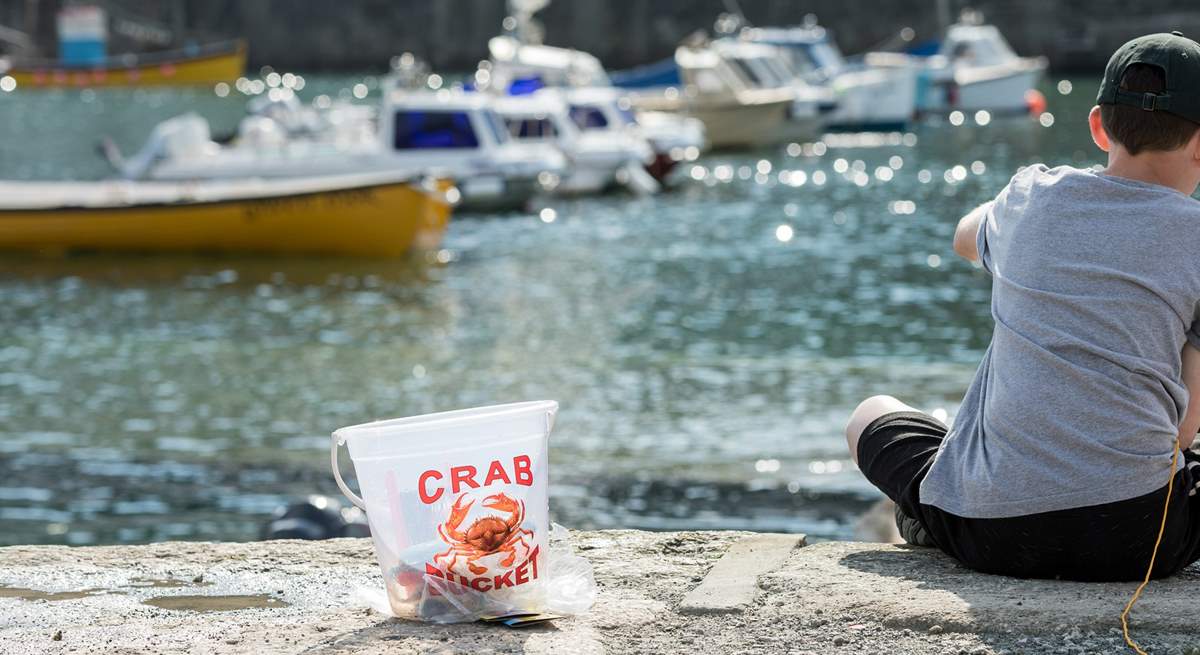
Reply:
x=1058, y=460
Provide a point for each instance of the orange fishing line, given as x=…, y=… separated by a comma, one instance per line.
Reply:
x=1154, y=553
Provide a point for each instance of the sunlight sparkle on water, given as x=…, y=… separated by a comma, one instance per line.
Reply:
x=767, y=465
x=822, y=468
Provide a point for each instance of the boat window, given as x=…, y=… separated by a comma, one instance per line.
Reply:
x=531, y=128
x=745, y=72
x=761, y=71
x=587, y=117
x=434, y=129
x=781, y=68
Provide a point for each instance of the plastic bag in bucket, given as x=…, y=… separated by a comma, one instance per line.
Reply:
x=457, y=506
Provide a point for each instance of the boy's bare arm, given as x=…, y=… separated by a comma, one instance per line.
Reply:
x=1191, y=379
x=968, y=230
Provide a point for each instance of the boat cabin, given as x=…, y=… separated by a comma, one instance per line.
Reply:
x=539, y=116
x=976, y=45
x=808, y=49
x=603, y=109
x=728, y=65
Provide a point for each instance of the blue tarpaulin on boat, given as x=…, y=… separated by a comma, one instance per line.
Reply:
x=660, y=73
x=925, y=49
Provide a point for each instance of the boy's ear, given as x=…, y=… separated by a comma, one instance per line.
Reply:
x=1097, y=128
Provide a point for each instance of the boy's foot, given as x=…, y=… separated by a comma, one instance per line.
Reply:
x=912, y=531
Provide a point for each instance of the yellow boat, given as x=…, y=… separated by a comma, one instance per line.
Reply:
x=364, y=214
x=208, y=64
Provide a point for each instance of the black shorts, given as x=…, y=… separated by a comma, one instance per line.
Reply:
x=1105, y=542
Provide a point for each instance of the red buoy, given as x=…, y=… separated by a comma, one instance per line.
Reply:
x=1035, y=101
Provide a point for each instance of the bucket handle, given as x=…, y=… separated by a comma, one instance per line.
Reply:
x=334, y=442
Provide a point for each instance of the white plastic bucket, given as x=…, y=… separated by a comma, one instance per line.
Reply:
x=457, y=505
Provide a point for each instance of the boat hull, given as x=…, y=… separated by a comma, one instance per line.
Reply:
x=207, y=68
x=874, y=99
x=728, y=123
x=997, y=89
x=498, y=194
x=1004, y=94
x=384, y=220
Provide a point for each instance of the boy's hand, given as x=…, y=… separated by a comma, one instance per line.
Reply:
x=967, y=232
x=1191, y=379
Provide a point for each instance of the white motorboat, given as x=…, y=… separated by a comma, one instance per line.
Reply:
x=976, y=69
x=513, y=63
x=444, y=133
x=876, y=93
x=745, y=94
x=598, y=158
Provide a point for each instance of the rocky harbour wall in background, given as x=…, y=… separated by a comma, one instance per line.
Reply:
x=362, y=35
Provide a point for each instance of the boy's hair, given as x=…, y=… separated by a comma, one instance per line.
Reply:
x=1137, y=129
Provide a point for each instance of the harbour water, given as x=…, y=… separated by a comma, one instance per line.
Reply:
x=706, y=344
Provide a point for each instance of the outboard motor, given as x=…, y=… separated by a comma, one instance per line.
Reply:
x=182, y=137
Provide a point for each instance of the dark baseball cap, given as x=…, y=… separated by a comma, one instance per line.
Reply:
x=1179, y=59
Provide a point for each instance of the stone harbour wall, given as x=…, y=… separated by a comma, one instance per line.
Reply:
x=682, y=592
x=361, y=35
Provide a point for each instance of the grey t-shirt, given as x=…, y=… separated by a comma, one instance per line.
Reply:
x=1095, y=288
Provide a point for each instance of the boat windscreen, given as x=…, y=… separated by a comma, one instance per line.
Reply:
x=827, y=56
x=496, y=124
x=746, y=72
x=418, y=130
x=588, y=117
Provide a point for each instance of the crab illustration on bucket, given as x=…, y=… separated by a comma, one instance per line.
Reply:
x=457, y=505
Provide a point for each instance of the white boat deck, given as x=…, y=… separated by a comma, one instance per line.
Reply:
x=32, y=195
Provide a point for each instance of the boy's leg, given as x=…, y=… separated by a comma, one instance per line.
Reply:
x=867, y=412
x=901, y=443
